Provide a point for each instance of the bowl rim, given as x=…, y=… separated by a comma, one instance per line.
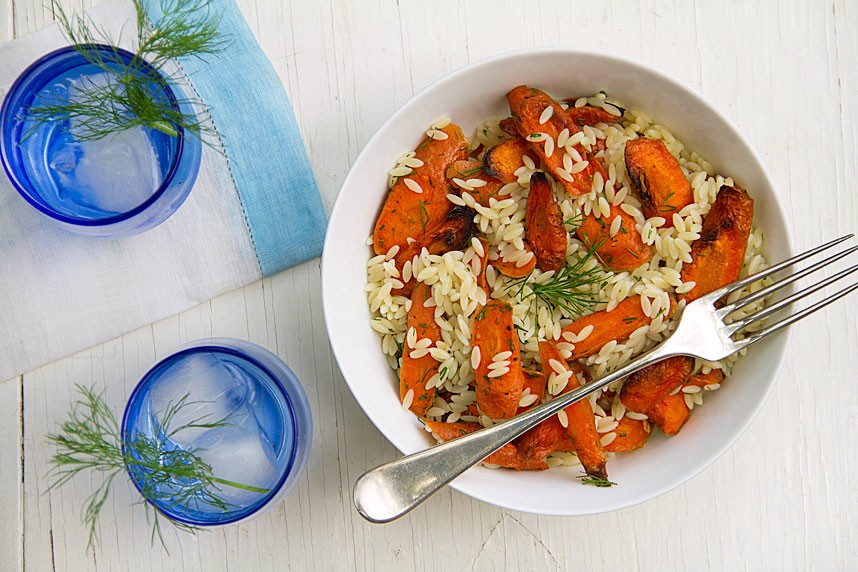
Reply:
x=337, y=345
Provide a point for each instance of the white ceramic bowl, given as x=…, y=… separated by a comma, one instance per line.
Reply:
x=469, y=96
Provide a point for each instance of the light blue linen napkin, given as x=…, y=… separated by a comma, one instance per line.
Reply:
x=267, y=158
x=254, y=210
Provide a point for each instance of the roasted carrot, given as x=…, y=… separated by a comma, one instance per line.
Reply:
x=618, y=324
x=512, y=269
x=660, y=182
x=527, y=106
x=543, y=225
x=507, y=456
x=621, y=252
x=466, y=170
x=535, y=381
x=454, y=233
x=492, y=334
x=408, y=214
x=631, y=435
x=508, y=126
x=416, y=372
x=717, y=256
x=581, y=427
x=546, y=438
x=703, y=379
x=590, y=114
x=670, y=413
x=645, y=388
x=504, y=159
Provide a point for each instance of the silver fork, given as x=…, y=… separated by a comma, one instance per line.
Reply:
x=389, y=491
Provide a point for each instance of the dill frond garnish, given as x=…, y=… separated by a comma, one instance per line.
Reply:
x=90, y=439
x=133, y=95
x=573, y=222
x=569, y=288
x=594, y=480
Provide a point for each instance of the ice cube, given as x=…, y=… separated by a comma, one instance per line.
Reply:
x=117, y=172
x=241, y=454
x=216, y=389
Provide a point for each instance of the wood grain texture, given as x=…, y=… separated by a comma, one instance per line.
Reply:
x=783, y=498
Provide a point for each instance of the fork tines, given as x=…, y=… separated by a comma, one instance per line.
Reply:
x=727, y=309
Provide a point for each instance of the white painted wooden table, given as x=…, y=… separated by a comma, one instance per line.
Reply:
x=784, y=498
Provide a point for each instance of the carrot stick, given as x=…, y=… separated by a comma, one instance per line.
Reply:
x=416, y=372
x=507, y=456
x=645, y=388
x=454, y=233
x=546, y=438
x=621, y=252
x=527, y=106
x=543, y=225
x=671, y=413
x=590, y=114
x=504, y=159
x=658, y=178
x=631, y=435
x=618, y=324
x=581, y=427
x=493, y=334
x=717, y=256
x=407, y=214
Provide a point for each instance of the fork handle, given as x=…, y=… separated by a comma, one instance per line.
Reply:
x=387, y=492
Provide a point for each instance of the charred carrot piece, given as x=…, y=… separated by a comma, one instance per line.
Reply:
x=590, y=114
x=543, y=225
x=508, y=126
x=621, y=252
x=581, y=427
x=631, y=435
x=512, y=269
x=416, y=372
x=660, y=182
x=454, y=233
x=507, y=456
x=466, y=170
x=408, y=214
x=528, y=105
x=504, y=159
x=618, y=324
x=492, y=332
x=717, y=256
x=645, y=388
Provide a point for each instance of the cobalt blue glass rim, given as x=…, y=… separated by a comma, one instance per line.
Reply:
x=293, y=453
x=6, y=116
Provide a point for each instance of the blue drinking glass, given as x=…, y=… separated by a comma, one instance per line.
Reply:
x=125, y=183
x=264, y=443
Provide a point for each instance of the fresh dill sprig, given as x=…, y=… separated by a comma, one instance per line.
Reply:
x=573, y=222
x=588, y=479
x=133, y=95
x=90, y=439
x=569, y=288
